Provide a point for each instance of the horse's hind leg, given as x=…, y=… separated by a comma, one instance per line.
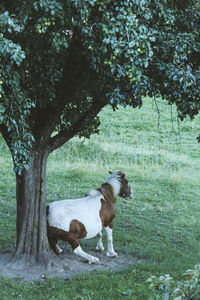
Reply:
x=54, y=246
x=91, y=259
x=78, y=228
x=55, y=233
x=99, y=245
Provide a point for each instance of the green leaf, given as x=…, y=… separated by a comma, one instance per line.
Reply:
x=131, y=44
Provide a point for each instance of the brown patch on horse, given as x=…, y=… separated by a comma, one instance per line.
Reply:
x=78, y=229
x=107, y=213
x=55, y=233
x=107, y=191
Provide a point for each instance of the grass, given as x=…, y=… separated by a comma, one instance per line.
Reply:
x=159, y=229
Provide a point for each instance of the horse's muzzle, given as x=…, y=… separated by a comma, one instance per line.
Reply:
x=130, y=195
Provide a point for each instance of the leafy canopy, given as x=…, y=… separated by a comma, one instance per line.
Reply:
x=62, y=61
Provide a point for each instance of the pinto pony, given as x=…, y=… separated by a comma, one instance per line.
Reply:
x=84, y=218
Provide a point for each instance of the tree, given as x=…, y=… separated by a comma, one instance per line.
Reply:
x=62, y=61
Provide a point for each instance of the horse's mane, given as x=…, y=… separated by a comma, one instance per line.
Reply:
x=107, y=191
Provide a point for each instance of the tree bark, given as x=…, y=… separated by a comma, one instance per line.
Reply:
x=32, y=245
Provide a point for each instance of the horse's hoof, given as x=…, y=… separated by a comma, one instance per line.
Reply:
x=98, y=248
x=58, y=249
x=94, y=260
x=112, y=254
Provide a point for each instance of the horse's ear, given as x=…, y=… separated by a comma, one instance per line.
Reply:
x=122, y=174
x=110, y=172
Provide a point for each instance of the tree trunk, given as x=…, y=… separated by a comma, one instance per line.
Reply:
x=32, y=247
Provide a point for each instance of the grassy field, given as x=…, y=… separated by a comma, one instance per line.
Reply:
x=159, y=229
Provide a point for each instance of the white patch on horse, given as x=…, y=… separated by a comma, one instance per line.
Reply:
x=85, y=210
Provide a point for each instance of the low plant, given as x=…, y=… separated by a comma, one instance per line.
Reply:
x=189, y=288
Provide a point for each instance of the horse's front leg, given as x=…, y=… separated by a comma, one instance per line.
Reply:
x=110, y=251
x=99, y=245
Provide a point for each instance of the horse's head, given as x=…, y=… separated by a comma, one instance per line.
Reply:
x=125, y=190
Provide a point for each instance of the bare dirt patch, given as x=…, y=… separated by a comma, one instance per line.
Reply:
x=73, y=265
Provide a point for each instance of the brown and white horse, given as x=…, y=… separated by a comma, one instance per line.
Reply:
x=84, y=218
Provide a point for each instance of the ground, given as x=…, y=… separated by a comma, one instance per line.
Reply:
x=74, y=265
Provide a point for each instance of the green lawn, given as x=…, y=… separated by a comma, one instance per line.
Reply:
x=159, y=228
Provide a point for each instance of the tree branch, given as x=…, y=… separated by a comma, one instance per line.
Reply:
x=46, y=125
x=66, y=134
